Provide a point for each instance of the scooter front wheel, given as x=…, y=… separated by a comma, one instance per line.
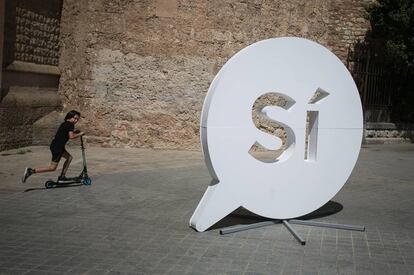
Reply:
x=87, y=181
x=49, y=184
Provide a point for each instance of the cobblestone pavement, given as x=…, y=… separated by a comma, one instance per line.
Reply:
x=134, y=218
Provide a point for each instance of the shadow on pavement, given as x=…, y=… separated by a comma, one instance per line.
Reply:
x=58, y=186
x=242, y=216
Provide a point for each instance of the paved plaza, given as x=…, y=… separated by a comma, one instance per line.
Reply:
x=134, y=218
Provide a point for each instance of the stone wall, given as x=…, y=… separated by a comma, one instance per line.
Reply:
x=385, y=132
x=19, y=110
x=138, y=70
x=29, y=75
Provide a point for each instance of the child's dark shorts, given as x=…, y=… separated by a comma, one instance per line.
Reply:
x=56, y=153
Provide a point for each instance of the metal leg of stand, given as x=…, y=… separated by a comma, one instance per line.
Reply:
x=294, y=233
x=329, y=225
x=239, y=228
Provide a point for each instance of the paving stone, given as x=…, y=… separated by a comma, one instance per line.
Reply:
x=134, y=220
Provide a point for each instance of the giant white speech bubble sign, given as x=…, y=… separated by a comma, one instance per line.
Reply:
x=297, y=182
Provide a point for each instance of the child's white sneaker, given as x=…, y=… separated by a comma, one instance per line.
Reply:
x=27, y=173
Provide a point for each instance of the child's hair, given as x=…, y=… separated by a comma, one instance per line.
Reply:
x=71, y=114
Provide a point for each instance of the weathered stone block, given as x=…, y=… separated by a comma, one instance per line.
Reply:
x=45, y=128
x=21, y=107
x=139, y=70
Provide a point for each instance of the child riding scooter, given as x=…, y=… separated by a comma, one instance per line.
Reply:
x=65, y=132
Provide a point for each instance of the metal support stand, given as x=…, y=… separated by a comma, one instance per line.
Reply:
x=238, y=228
x=329, y=225
x=294, y=233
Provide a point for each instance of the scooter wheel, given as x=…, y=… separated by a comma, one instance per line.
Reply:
x=87, y=181
x=49, y=184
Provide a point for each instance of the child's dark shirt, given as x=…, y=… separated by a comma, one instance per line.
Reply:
x=62, y=136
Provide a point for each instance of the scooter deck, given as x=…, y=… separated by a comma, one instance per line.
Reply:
x=69, y=181
x=76, y=180
x=73, y=179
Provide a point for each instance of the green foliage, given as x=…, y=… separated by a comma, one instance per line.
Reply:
x=392, y=23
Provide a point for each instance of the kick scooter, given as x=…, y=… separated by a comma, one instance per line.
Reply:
x=82, y=178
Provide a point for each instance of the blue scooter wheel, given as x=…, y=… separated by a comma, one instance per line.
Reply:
x=87, y=181
x=49, y=184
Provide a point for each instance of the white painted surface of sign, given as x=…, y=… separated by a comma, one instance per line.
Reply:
x=297, y=182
